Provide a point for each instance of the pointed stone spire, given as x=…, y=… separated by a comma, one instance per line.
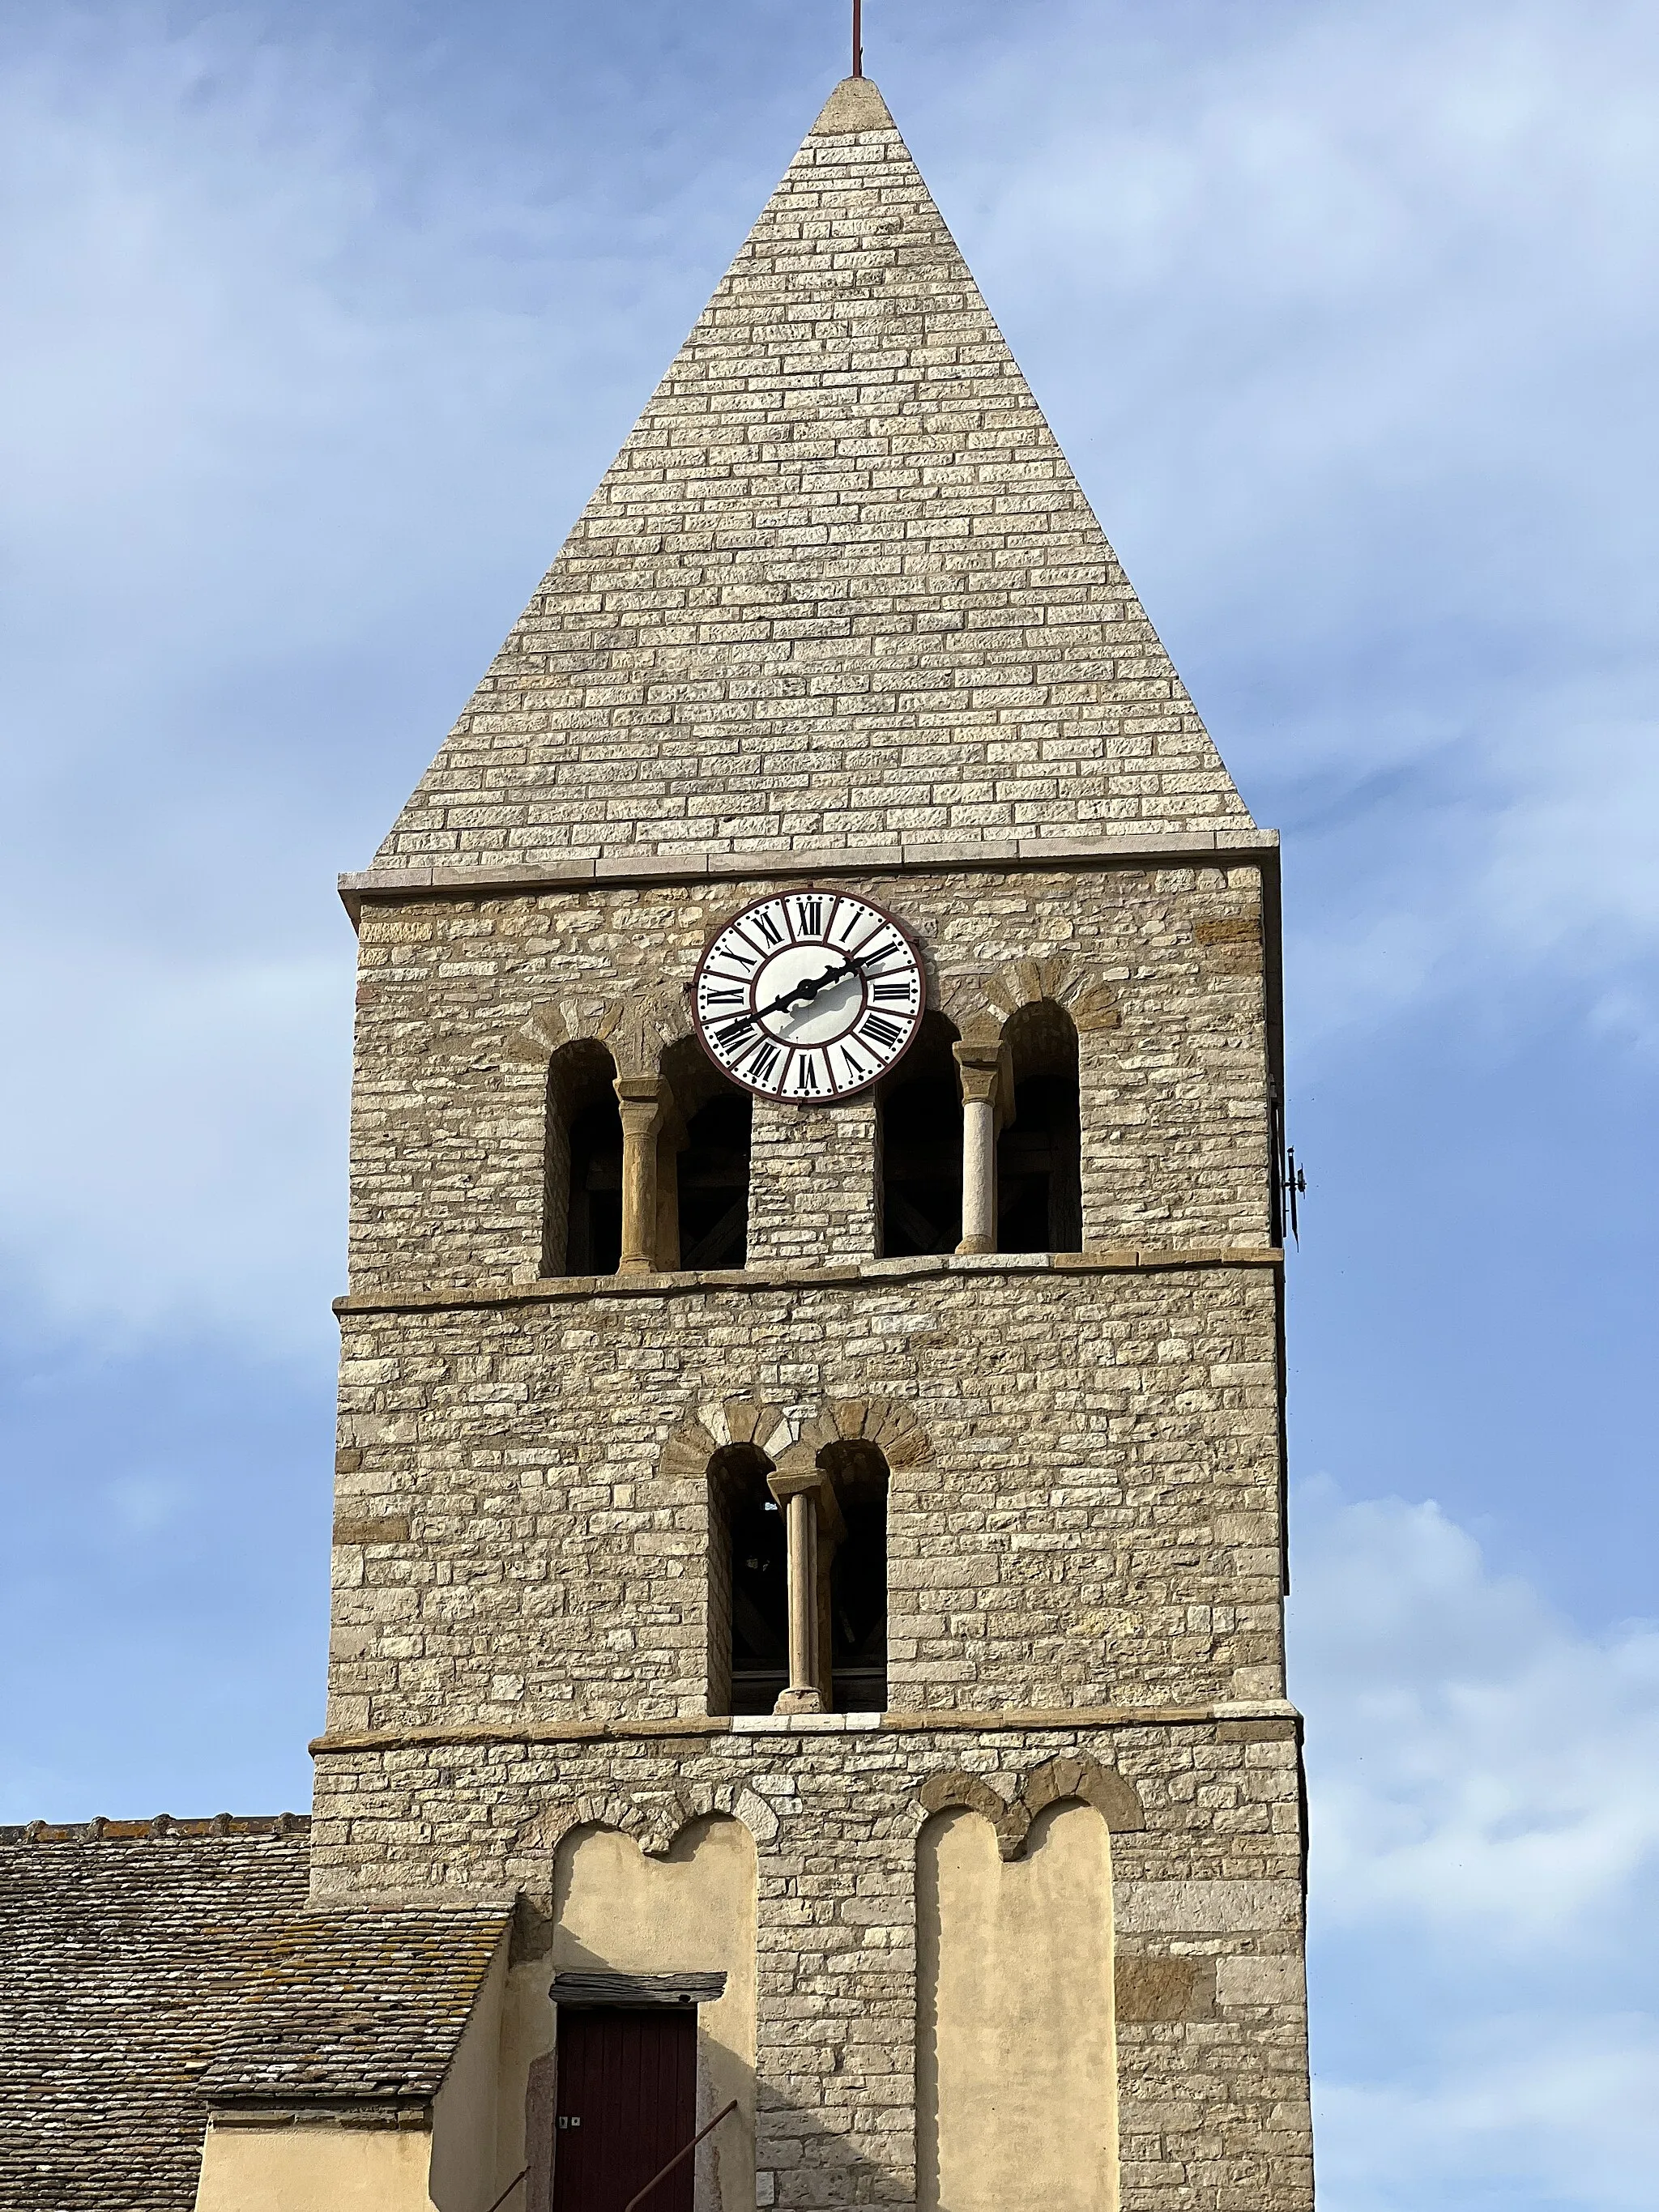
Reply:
x=839, y=587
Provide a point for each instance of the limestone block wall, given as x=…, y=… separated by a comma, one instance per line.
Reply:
x=1095, y=1520
x=1207, y=1909
x=813, y=1180
x=461, y=1003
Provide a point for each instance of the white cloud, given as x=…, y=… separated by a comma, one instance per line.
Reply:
x=1484, y=1799
x=1480, y=1760
x=1536, y=2114
x=183, y=1166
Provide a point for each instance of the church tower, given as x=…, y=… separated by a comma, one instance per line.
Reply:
x=808, y=1656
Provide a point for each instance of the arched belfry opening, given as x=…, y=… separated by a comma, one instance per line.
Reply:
x=582, y=1218
x=1039, y=1152
x=921, y=1108
x=857, y=1580
x=704, y=1163
x=748, y=1585
x=798, y=1581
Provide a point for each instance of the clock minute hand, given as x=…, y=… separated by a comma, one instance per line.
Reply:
x=806, y=991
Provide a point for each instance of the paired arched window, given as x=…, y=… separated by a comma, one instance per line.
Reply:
x=748, y=1585
x=1031, y=1188
x=582, y=1221
x=702, y=1163
x=1026, y=1167
x=857, y=1642
x=824, y=1548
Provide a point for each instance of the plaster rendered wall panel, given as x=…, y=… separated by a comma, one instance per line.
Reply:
x=1096, y=1523
x=459, y=1000
x=298, y=2169
x=1016, y=2064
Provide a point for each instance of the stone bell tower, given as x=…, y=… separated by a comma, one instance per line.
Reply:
x=807, y=1630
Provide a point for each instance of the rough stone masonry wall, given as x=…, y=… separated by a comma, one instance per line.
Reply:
x=460, y=1003
x=1096, y=1521
x=1212, y=2026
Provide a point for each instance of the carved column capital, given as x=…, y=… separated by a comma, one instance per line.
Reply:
x=984, y=1074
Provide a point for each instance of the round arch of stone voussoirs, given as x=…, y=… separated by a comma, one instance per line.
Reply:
x=636, y=1027
x=791, y=1441
x=655, y=1824
x=981, y=1006
x=1059, y=1781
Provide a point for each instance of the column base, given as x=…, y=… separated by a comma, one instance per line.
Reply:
x=799, y=1701
x=976, y=1244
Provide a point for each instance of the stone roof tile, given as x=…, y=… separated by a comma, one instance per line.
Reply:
x=150, y=1968
x=346, y=2005
x=123, y=1951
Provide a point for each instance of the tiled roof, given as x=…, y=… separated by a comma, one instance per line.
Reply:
x=123, y=1957
x=147, y=1968
x=349, y=2005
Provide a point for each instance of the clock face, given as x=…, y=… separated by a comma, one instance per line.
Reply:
x=811, y=994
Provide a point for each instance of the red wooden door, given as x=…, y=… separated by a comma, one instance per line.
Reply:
x=627, y=2101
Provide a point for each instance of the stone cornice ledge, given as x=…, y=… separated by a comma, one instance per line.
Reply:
x=698, y=1728
x=800, y=1275
x=1160, y=847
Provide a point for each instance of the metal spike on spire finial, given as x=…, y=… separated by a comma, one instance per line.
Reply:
x=858, y=38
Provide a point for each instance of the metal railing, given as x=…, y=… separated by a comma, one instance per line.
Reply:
x=507, y=2191
x=680, y=2156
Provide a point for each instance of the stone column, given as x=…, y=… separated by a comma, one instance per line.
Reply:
x=641, y=1099
x=813, y=1526
x=670, y=1143
x=803, y=1694
x=980, y=1071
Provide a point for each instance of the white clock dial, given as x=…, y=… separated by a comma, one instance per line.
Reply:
x=810, y=994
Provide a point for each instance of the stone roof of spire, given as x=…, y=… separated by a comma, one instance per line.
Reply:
x=840, y=588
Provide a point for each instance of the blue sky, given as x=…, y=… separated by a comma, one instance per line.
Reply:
x=324, y=320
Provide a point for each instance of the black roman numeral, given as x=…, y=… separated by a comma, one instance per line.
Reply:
x=809, y=917
x=855, y=1067
x=879, y=1032
x=896, y=992
x=725, y=998
x=807, y=1076
x=730, y=1034
x=873, y=961
x=760, y=1064
x=768, y=928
